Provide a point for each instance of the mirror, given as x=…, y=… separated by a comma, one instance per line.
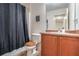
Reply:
x=57, y=16
x=76, y=16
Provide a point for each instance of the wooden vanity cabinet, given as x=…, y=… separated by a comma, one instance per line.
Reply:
x=57, y=45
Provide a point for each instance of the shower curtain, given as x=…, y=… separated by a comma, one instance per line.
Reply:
x=13, y=31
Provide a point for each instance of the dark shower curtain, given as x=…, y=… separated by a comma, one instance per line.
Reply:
x=25, y=24
x=20, y=29
x=13, y=31
x=4, y=28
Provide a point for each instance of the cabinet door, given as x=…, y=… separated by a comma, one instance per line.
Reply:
x=69, y=46
x=49, y=45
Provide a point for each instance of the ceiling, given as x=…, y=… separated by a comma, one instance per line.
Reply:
x=54, y=6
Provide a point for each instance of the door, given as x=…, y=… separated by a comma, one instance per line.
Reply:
x=49, y=45
x=69, y=46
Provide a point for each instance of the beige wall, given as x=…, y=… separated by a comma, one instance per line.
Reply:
x=34, y=9
x=38, y=9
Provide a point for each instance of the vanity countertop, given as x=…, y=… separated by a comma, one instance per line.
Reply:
x=61, y=34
